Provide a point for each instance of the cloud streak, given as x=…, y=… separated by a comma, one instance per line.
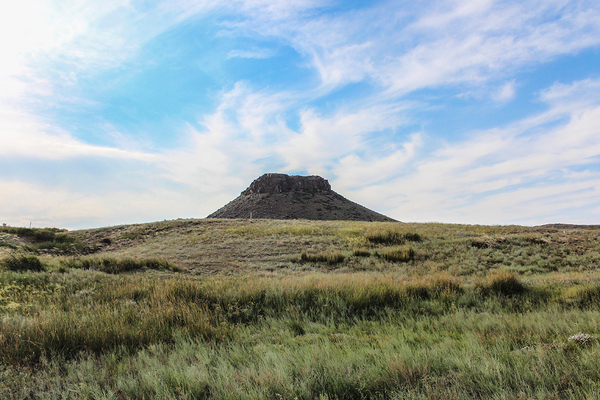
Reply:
x=525, y=170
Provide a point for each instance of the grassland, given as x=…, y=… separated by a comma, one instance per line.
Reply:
x=262, y=309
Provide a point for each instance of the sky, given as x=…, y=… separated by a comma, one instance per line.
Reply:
x=456, y=111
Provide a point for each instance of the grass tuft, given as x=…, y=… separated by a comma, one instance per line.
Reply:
x=398, y=254
x=389, y=237
x=330, y=258
x=361, y=253
x=504, y=282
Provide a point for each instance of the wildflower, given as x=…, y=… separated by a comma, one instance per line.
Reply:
x=581, y=338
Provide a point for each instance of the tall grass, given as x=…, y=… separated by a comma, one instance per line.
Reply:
x=136, y=311
x=350, y=336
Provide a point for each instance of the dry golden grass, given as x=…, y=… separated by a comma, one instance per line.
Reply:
x=213, y=246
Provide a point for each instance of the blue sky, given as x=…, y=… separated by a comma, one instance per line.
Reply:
x=480, y=111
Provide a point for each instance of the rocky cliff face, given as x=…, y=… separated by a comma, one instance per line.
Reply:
x=280, y=183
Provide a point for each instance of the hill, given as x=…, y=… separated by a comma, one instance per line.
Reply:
x=280, y=196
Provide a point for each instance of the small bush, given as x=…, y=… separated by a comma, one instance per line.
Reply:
x=399, y=254
x=412, y=237
x=445, y=284
x=584, y=296
x=433, y=287
x=536, y=240
x=296, y=327
x=480, y=243
x=392, y=238
x=386, y=237
x=23, y=263
x=505, y=282
x=361, y=253
x=330, y=258
x=417, y=290
x=64, y=238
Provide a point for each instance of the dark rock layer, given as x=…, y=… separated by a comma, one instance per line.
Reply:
x=279, y=196
x=279, y=183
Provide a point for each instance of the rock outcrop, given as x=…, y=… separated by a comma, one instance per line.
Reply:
x=279, y=183
x=280, y=196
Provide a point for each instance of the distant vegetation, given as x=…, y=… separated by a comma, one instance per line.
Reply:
x=209, y=309
x=50, y=239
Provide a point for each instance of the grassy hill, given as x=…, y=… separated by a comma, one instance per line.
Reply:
x=263, y=309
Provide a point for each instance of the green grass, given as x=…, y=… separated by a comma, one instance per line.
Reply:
x=439, y=317
x=356, y=336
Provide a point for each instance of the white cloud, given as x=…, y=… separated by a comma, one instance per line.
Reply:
x=355, y=171
x=49, y=44
x=24, y=136
x=545, y=165
x=248, y=135
x=252, y=53
x=506, y=92
x=42, y=205
x=437, y=42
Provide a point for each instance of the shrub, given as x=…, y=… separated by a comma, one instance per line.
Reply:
x=480, y=243
x=296, y=327
x=361, y=253
x=412, y=237
x=584, y=296
x=386, y=237
x=504, y=282
x=23, y=263
x=398, y=254
x=536, y=240
x=392, y=237
x=330, y=258
x=445, y=284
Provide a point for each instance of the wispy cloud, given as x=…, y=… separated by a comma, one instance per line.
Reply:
x=253, y=53
x=525, y=170
x=506, y=92
x=438, y=43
